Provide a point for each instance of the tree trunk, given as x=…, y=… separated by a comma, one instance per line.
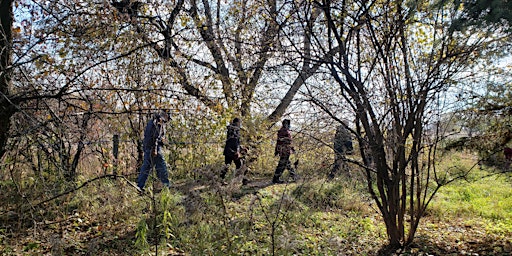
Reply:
x=72, y=172
x=6, y=108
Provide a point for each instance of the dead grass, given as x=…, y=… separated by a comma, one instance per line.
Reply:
x=311, y=217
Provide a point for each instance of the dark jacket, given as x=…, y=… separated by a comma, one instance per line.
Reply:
x=232, y=140
x=284, y=142
x=342, y=141
x=153, y=134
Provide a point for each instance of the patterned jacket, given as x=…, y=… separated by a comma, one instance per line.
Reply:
x=153, y=134
x=284, y=142
x=342, y=141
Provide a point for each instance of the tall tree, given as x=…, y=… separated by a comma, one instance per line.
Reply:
x=222, y=53
x=60, y=66
x=6, y=107
x=485, y=110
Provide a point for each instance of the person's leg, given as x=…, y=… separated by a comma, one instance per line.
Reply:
x=161, y=169
x=280, y=168
x=345, y=168
x=238, y=163
x=349, y=149
x=227, y=161
x=146, y=167
x=290, y=168
x=336, y=167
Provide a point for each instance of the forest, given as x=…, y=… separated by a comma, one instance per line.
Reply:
x=420, y=92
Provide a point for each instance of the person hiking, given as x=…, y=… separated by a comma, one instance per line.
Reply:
x=508, y=156
x=284, y=149
x=342, y=146
x=232, y=148
x=152, y=147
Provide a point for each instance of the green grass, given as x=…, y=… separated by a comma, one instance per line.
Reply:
x=312, y=218
x=489, y=199
x=480, y=194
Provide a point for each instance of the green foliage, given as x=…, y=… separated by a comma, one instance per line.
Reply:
x=312, y=218
x=489, y=198
x=459, y=166
x=249, y=224
x=341, y=194
x=483, y=13
x=485, y=115
x=476, y=195
x=141, y=236
x=31, y=246
x=194, y=142
x=104, y=71
x=171, y=213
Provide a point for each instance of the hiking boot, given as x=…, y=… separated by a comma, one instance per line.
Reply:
x=224, y=171
x=140, y=191
x=277, y=181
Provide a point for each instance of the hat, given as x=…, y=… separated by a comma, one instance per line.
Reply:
x=164, y=115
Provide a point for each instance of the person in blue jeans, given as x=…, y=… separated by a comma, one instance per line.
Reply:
x=152, y=146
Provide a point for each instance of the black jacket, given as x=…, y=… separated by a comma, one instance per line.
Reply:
x=232, y=140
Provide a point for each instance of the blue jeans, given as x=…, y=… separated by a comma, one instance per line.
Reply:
x=149, y=162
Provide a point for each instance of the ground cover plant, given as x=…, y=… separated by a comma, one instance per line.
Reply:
x=310, y=217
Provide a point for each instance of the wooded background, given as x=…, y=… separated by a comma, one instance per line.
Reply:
x=409, y=79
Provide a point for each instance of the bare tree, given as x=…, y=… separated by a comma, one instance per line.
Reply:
x=222, y=53
x=55, y=74
x=393, y=64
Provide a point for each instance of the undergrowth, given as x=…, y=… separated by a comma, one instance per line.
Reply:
x=309, y=217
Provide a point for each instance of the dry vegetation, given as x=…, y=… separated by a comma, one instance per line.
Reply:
x=201, y=217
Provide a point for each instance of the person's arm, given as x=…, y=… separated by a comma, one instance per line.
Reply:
x=161, y=140
x=278, y=144
x=290, y=141
x=154, y=138
x=238, y=140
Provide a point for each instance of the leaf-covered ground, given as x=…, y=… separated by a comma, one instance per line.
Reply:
x=312, y=217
